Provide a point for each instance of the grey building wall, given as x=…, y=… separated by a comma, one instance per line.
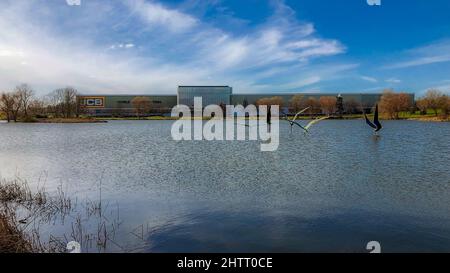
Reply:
x=210, y=95
x=120, y=105
x=253, y=98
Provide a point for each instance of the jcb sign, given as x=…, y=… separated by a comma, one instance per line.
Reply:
x=93, y=102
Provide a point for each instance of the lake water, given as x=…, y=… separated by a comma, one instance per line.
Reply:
x=333, y=190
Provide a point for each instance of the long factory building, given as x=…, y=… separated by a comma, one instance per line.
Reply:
x=121, y=105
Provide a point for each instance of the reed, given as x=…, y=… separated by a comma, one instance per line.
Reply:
x=38, y=207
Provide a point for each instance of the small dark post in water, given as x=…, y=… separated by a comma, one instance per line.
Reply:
x=245, y=103
x=340, y=105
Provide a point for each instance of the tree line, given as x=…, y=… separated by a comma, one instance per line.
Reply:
x=391, y=104
x=434, y=101
x=324, y=105
x=22, y=104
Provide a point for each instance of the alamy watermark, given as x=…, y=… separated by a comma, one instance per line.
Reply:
x=374, y=247
x=263, y=124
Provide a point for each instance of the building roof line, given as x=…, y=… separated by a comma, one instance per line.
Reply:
x=126, y=95
x=318, y=94
x=206, y=86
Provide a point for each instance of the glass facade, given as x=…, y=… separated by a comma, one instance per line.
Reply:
x=209, y=94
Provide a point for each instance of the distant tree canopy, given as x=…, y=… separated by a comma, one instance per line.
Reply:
x=312, y=104
x=25, y=96
x=391, y=103
x=22, y=104
x=352, y=107
x=296, y=103
x=270, y=101
x=434, y=100
x=328, y=104
x=16, y=104
x=9, y=105
x=141, y=105
x=63, y=102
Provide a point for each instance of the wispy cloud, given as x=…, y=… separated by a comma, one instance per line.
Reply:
x=50, y=45
x=157, y=15
x=369, y=79
x=393, y=80
x=122, y=46
x=437, y=52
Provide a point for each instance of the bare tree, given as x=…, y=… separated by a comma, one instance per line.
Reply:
x=17, y=106
x=271, y=101
x=6, y=105
x=312, y=104
x=351, y=106
x=444, y=104
x=25, y=95
x=277, y=101
x=392, y=103
x=141, y=105
x=10, y=105
x=63, y=102
x=328, y=104
x=296, y=103
x=37, y=108
x=422, y=105
x=432, y=98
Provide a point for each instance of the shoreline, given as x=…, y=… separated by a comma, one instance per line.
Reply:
x=155, y=118
x=348, y=117
x=70, y=120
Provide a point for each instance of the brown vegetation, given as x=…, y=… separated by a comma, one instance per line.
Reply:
x=141, y=105
x=312, y=104
x=63, y=102
x=22, y=104
x=391, y=104
x=297, y=103
x=435, y=101
x=270, y=101
x=352, y=107
x=12, y=239
x=328, y=104
x=19, y=235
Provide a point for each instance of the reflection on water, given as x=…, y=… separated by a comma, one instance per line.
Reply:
x=332, y=190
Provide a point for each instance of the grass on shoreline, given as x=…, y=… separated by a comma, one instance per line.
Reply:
x=12, y=239
x=402, y=116
x=23, y=211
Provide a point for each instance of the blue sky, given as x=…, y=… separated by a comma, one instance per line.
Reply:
x=151, y=47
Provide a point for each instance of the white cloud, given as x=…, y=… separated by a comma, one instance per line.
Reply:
x=301, y=83
x=174, y=48
x=437, y=52
x=393, y=80
x=369, y=79
x=157, y=15
x=445, y=88
x=122, y=46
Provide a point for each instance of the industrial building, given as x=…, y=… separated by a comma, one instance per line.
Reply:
x=121, y=105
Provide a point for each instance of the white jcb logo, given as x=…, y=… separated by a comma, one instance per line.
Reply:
x=73, y=2
x=73, y=247
x=374, y=2
x=374, y=247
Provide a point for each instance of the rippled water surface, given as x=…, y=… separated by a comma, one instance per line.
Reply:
x=332, y=190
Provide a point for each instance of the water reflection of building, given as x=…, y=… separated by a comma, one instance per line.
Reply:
x=121, y=105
